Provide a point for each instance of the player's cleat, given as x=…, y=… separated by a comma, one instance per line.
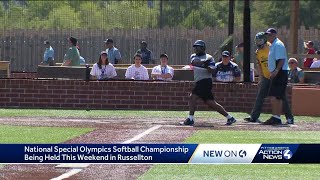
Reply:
x=187, y=122
x=272, y=121
x=290, y=121
x=231, y=121
x=249, y=119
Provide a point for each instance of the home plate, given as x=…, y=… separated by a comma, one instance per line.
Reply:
x=73, y=165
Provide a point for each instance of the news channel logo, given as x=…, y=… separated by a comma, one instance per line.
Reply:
x=225, y=153
x=275, y=153
x=287, y=154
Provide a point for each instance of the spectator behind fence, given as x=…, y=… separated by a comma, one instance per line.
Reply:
x=238, y=59
x=310, y=50
x=137, y=71
x=82, y=60
x=145, y=53
x=226, y=70
x=114, y=55
x=102, y=69
x=48, y=56
x=163, y=71
x=316, y=62
x=72, y=57
x=296, y=74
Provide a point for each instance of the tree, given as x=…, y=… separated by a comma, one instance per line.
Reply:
x=63, y=17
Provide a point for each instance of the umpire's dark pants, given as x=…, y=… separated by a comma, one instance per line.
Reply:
x=263, y=93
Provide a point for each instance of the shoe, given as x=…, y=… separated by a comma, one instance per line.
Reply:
x=290, y=121
x=231, y=121
x=249, y=119
x=187, y=122
x=272, y=121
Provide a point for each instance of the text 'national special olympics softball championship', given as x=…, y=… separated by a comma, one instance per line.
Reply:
x=159, y=153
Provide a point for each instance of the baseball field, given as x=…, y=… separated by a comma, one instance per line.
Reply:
x=106, y=126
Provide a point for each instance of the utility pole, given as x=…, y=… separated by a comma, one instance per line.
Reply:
x=161, y=18
x=246, y=41
x=230, y=25
x=294, y=27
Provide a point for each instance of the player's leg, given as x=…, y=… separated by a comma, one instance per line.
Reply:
x=192, y=108
x=261, y=95
x=192, y=105
x=276, y=105
x=220, y=109
x=202, y=90
x=277, y=93
x=287, y=110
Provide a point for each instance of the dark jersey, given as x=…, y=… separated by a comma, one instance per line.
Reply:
x=226, y=73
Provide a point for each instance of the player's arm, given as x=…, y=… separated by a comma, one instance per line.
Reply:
x=211, y=69
x=237, y=74
x=197, y=62
x=154, y=73
x=259, y=70
x=278, y=68
x=237, y=79
x=301, y=77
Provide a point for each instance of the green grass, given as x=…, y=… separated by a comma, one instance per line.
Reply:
x=126, y=113
x=248, y=171
x=251, y=137
x=27, y=134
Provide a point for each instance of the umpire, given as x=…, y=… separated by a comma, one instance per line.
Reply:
x=278, y=68
x=262, y=53
x=203, y=66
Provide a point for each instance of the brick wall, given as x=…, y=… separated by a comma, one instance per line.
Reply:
x=76, y=94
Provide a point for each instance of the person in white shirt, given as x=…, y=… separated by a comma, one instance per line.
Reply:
x=48, y=56
x=316, y=62
x=163, y=71
x=137, y=71
x=103, y=69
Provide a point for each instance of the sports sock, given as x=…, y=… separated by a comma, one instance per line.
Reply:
x=228, y=116
x=190, y=117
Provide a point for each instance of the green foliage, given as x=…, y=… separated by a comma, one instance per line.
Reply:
x=91, y=16
x=15, y=16
x=124, y=14
x=310, y=11
x=64, y=18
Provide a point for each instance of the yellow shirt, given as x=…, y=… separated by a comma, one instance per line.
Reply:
x=262, y=57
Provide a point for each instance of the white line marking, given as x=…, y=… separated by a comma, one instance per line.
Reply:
x=75, y=171
x=139, y=136
x=68, y=174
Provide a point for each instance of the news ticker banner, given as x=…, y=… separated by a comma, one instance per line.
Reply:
x=159, y=153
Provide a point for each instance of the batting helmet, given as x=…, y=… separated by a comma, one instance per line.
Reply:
x=199, y=43
x=260, y=39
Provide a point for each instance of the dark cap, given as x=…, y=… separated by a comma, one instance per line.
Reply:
x=103, y=52
x=199, y=43
x=164, y=55
x=73, y=40
x=271, y=31
x=46, y=42
x=226, y=53
x=143, y=42
x=108, y=41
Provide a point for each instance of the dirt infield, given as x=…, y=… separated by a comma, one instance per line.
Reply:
x=118, y=130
